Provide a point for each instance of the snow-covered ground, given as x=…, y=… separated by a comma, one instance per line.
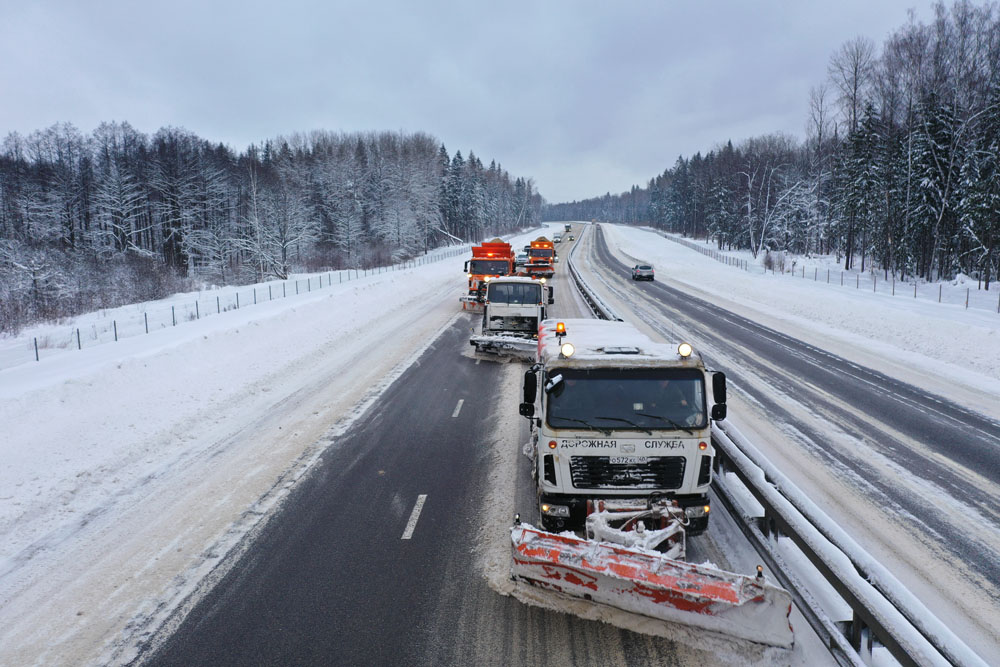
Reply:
x=130, y=468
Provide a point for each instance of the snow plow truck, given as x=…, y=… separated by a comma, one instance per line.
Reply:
x=513, y=309
x=622, y=452
x=541, y=259
x=490, y=259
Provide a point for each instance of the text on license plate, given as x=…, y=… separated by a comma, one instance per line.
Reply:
x=629, y=459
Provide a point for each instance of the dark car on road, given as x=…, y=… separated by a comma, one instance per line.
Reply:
x=642, y=272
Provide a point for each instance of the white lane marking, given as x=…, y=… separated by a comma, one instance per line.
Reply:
x=414, y=515
x=458, y=408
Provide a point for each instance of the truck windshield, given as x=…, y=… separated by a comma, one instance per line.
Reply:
x=541, y=252
x=627, y=399
x=489, y=267
x=514, y=293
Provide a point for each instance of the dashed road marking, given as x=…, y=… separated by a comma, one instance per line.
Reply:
x=458, y=408
x=414, y=515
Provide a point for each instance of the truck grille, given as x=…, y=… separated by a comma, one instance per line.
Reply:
x=597, y=472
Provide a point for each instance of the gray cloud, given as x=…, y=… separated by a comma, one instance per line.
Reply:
x=585, y=97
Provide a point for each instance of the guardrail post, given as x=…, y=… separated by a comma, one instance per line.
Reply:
x=114, y=323
x=145, y=317
x=79, y=346
x=36, y=348
x=173, y=315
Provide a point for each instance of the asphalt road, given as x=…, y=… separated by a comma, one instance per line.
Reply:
x=345, y=574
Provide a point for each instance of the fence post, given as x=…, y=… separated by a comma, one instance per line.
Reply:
x=145, y=316
x=269, y=296
x=283, y=293
x=296, y=286
x=309, y=284
x=874, y=282
x=857, y=281
x=815, y=274
x=218, y=308
x=78, y=345
x=197, y=311
x=173, y=315
x=841, y=278
x=966, y=298
x=255, y=296
x=940, y=285
x=36, y=348
x=114, y=323
x=340, y=276
x=914, y=289
x=237, y=301
x=894, y=284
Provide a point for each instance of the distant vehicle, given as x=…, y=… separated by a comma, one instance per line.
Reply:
x=642, y=272
x=572, y=237
x=557, y=237
x=522, y=259
x=568, y=228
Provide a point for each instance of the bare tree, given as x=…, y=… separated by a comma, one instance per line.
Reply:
x=851, y=70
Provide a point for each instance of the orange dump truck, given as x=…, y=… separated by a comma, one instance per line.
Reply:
x=541, y=258
x=490, y=259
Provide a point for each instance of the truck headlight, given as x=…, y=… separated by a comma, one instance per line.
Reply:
x=555, y=510
x=697, y=511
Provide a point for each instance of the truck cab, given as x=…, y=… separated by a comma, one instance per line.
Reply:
x=618, y=416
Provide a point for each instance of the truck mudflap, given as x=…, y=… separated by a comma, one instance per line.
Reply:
x=507, y=346
x=651, y=584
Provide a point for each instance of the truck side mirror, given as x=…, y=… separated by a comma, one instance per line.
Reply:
x=465, y=267
x=718, y=411
x=719, y=387
x=551, y=299
x=527, y=410
x=530, y=388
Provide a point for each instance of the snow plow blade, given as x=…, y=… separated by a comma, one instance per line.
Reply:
x=650, y=584
x=507, y=346
x=471, y=303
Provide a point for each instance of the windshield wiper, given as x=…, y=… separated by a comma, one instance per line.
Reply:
x=668, y=421
x=590, y=426
x=630, y=423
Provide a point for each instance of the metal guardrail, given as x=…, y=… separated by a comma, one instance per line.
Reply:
x=600, y=309
x=883, y=611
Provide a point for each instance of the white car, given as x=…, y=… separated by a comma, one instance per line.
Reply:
x=642, y=272
x=521, y=259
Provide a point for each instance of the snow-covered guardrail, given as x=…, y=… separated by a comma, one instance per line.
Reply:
x=600, y=309
x=883, y=610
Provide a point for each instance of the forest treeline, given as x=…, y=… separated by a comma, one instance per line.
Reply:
x=118, y=216
x=900, y=170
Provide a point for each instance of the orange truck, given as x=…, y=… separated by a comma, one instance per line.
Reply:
x=541, y=258
x=490, y=259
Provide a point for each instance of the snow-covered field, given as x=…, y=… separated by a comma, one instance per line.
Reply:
x=130, y=468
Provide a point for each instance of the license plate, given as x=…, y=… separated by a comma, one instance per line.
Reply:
x=629, y=459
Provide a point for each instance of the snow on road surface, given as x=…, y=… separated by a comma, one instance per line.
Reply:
x=132, y=468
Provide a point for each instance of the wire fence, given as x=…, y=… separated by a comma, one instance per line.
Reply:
x=955, y=295
x=148, y=317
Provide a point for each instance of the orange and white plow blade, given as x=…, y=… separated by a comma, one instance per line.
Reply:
x=648, y=584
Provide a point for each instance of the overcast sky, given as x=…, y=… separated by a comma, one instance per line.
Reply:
x=583, y=97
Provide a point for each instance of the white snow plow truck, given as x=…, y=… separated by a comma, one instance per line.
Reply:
x=622, y=449
x=513, y=309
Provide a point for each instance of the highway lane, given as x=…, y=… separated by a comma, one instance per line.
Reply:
x=331, y=580
x=896, y=448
